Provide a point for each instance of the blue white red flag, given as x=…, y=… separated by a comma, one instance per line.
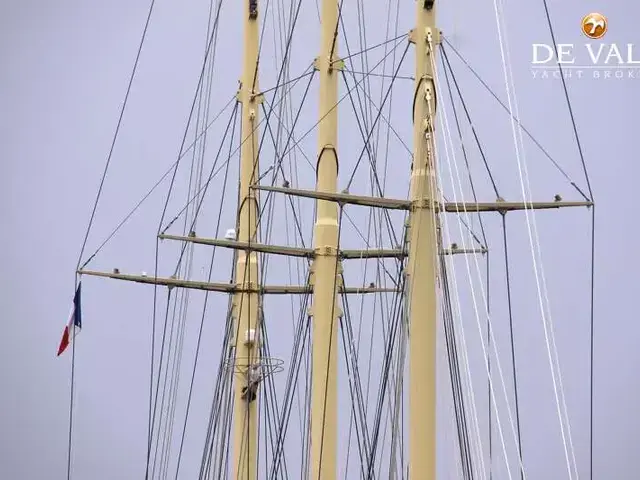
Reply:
x=74, y=325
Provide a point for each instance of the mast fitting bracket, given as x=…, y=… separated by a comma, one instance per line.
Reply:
x=425, y=203
x=326, y=251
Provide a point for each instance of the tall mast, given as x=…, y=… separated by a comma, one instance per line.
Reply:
x=423, y=250
x=246, y=303
x=325, y=311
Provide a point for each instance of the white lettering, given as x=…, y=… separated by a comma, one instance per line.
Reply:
x=614, y=51
x=595, y=57
x=630, y=59
x=565, y=49
x=619, y=74
x=536, y=47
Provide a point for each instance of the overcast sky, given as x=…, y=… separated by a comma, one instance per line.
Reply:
x=65, y=66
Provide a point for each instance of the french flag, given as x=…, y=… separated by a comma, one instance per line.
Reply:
x=74, y=325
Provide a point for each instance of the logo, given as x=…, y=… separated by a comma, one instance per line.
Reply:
x=594, y=59
x=594, y=25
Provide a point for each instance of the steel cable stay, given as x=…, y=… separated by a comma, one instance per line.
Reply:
x=449, y=157
x=532, y=229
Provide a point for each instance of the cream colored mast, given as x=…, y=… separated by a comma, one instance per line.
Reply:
x=325, y=310
x=423, y=248
x=246, y=303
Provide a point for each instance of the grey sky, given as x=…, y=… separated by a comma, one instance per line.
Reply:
x=64, y=73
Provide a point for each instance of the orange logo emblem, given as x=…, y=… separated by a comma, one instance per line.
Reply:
x=594, y=25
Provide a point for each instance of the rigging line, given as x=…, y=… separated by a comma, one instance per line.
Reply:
x=377, y=117
x=274, y=405
x=300, y=338
x=591, y=329
x=361, y=128
x=364, y=61
x=380, y=264
x=214, y=173
x=535, y=244
x=209, y=90
x=353, y=355
x=398, y=380
x=569, y=106
x=176, y=351
x=277, y=165
x=380, y=75
x=261, y=37
x=91, y=219
x=464, y=344
x=391, y=230
x=196, y=175
x=368, y=245
x=396, y=283
x=490, y=428
x=281, y=126
x=383, y=117
x=206, y=300
x=444, y=59
x=185, y=245
x=455, y=376
x=284, y=84
x=355, y=398
x=162, y=351
x=399, y=37
x=282, y=68
x=363, y=67
x=146, y=196
x=465, y=156
x=450, y=155
x=363, y=111
x=375, y=179
x=160, y=439
x=513, y=351
x=200, y=194
x=281, y=159
x=336, y=105
x=293, y=325
x=292, y=375
x=524, y=129
x=219, y=389
x=151, y=417
x=195, y=362
x=393, y=60
x=335, y=32
x=485, y=242
x=115, y=136
x=396, y=314
x=274, y=402
x=593, y=217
